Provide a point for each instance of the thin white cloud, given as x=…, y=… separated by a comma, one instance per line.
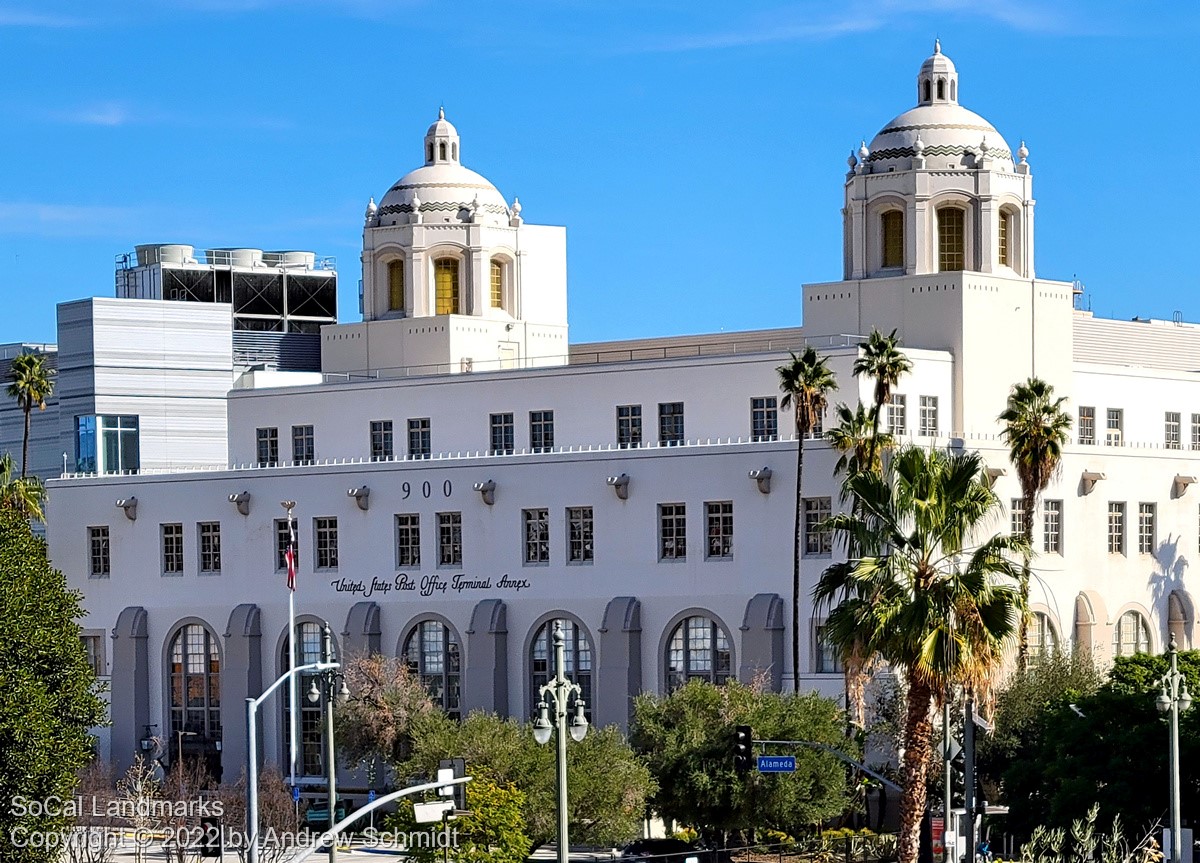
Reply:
x=761, y=35
x=30, y=218
x=24, y=18
x=118, y=113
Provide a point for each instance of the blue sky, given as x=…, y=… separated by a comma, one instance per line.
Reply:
x=694, y=150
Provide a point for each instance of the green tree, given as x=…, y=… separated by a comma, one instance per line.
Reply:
x=31, y=383
x=608, y=784
x=858, y=440
x=1035, y=428
x=386, y=698
x=883, y=361
x=48, y=701
x=26, y=496
x=806, y=383
x=491, y=831
x=687, y=737
x=938, y=609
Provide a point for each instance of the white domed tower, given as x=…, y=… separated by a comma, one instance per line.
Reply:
x=453, y=278
x=937, y=190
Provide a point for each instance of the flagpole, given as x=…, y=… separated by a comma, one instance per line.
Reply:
x=293, y=699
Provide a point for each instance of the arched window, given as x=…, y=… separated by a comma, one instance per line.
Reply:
x=941, y=88
x=310, y=756
x=951, y=251
x=395, y=273
x=953, y=90
x=1131, y=635
x=577, y=660
x=1004, y=241
x=698, y=650
x=195, y=690
x=497, y=284
x=442, y=151
x=454, y=152
x=445, y=282
x=429, y=152
x=1041, y=637
x=893, y=238
x=926, y=97
x=431, y=652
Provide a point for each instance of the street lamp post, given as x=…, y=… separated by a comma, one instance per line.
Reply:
x=1173, y=696
x=560, y=690
x=333, y=686
x=179, y=735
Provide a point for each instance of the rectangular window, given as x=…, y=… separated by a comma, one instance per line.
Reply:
x=450, y=539
x=670, y=423
x=382, y=446
x=541, y=431
x=898, y=415
x=764, y=418
x=325, y=542
x=419, y=442
x=210, y=546
x=672, y=531
x=107, y=444
x=892, y=223
x=629, y=426
x=408, y=540
x=172, y=548
x=580, y=547
x=536, y=523
x=501, y=428
x=93, y=646
x=1052, y=526
x=1147, y=534
x=719, y=517
x=1017, y=519
x=817, y=510
x=829, y=658
x=950, y=239
x=1116, y=527
x=1114, y=427
x=303, y=445
x=100, y=564
x=929, y=416
x=1195, y=431
x=1087, y=426
x=282, y=540
x=1003, y=247
x=268, y=446
x=1171, y=430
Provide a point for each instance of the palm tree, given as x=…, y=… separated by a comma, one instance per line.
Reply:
x=936, y=608
x=24, y=495
x=32, y=382
x=1035, y=428
x=857, y=439
x=882, y=360
x=806, y=383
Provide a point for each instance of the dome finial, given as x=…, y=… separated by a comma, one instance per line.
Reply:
x=937, y=45
x=441, y=112
x=863, y=152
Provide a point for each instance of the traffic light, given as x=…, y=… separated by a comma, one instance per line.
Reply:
x=743, y=739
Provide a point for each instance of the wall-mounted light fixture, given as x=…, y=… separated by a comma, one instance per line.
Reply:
x=362, y=497
x=129, y=504
x=620, y=485
x=1181, y=484
x=1089, y=479
x=994, y=473
x=242, y=501
x=486, y=489
x=762, y=476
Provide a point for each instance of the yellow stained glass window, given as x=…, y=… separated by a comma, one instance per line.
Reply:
x=497, y=284
x=445, y=282
x=1005, y=248
x=950, y=239
x=396, y=286
x=893, y=238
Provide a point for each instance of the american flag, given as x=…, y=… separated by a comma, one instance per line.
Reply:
x=290, y=556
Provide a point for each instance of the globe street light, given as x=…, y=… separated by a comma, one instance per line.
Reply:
x=1173, y=696
x=560, y=690
x=332, y=687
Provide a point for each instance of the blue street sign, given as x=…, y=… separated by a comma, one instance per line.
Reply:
x=777, y=764
x=371, y=796
x=295, y=793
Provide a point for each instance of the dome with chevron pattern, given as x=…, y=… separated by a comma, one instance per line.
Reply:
x=952, y=136
x=444, y=190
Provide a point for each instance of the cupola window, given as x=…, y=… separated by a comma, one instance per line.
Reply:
x=429, y=152
x=893, y=238
x=1004, y=243
x=950, y=239
x=926, y=95
x=497, y=284
x=442, y=151
x=445, y=282
x=941, y=88
x=395, y=272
